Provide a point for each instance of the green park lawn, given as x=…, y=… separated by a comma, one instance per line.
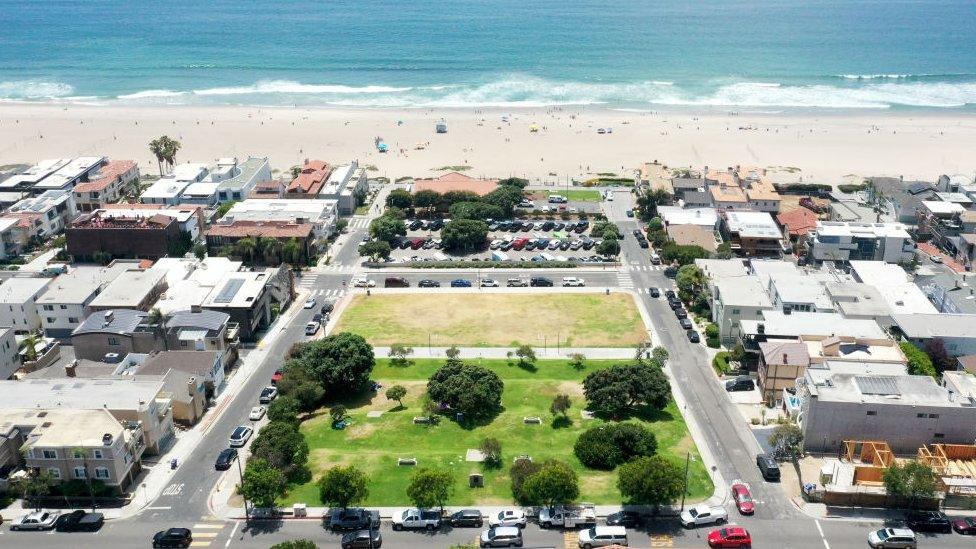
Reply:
x=578, y=195
x=495, y=319
x=375, y=444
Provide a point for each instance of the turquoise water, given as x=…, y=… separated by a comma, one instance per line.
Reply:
x=761, y=54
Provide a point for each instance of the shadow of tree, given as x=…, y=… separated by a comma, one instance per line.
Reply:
x=561, y=422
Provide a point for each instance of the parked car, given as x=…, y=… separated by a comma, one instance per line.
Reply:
x=965, y=525
x=675, y=303
x=79, y=521
x=311, y=328
x=327, y=307
x=702, y=514
x=732, y=536
x=643, y=243
x=309, y=303
x=41, y=520
x=743, y=499
x=277, y=375
x=602, y=536
x=353, y=518
x=563, y=517
x=540, y=281
x=416, y=519
x=415, y=225
x=257, y=413
x=267, y=395
x=768, y=467
x=669, y=272
x=501, y=536
x=488, y=283
x=225, y=458
x=629, y=519
x=686, y=323
x=670, y=295
x=460, y=283
x=630, y=213
x=680, y=313
x=654, y=292
x=507, y=517
x=240, y=436
x=174, y=537
x=363, y=283
x=573, y=281
x=693, y=336
x=516, y=283
x=466, y=517
x=928, y=521
x=428, y=283
x=892, y=538
x=743, y=383
x=396, y=282
x=362, y=539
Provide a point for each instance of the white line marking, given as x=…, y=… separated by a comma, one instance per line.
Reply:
x=822, y=536
x=159, y=508
x=233, y=530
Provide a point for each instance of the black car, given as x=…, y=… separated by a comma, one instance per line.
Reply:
x=637, y=233
x=174, y=537
x=225, y=458
x=327, y=307
x=680, y=313
x=654, y=292
x=686, y=323
x=582, y=226
x=670, y=294
x=416, y=225
x=428, y=283
x=671, y=271
x=630, y=213
x=436, y=225
x=403, y=244
x=693, y=336
x=540, y=281
x=768, y=467
x=674, y=303
x=627, y=519
x=466, y=517
x=527, y=225
x=530, y=245
x=548, y=225
x=744, y=383
x=643, y=243
x=565, y=244
x=558, y=226
x=79, y=521
x=928, y=521
x=353, y=518
x=588, y=244
x=363, y=539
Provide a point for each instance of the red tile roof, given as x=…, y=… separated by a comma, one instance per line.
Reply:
x=798, y=222
x=267, y=229
x=109, y=174
x=946, y=260
x=313, y=176
x=454, y=181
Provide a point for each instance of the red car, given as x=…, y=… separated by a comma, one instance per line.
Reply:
x=743, y=499
x=965, y=525
x=733, y=536
x=276, y=377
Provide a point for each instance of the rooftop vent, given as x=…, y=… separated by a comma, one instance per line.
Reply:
x=107, y=439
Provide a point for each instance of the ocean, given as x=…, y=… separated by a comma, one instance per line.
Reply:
x=757, y=55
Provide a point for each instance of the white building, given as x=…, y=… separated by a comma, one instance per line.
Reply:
x=896, y=287
x=737, y=299
x=344, y=185
x=702, y=217
x=45, y=215
x=321, y=213
x=237, y=180
x=9, y=357
x=11, y=237
x=62, y=307
x=170, y=187
x=57, y=174
x=957, y=331
x=779, y=325
x=190, y=281
x=840, y=241
x=18, y=303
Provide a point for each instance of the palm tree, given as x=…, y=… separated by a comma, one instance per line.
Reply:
x=172, y=147
x=158, y=148
x=83, y=452
x=272, y=251
x=157, y=322
x=246, y=247
x=30, y=346
x=292, y=252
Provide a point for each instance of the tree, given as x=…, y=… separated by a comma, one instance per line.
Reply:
x=555, y=483
x=399, y=353
x=939, y=356
x=200, y=250
x=299, y=383
x=426, y=199
x=655, y=224
x=33, y=486
x=516, y=182
x=914, y=480
x=158, y=149
x=375, y=250
x=608, y=247
x=607, y=446
x=430, y=487
x=505, y=197
x=341, y=363
x=724, y=251
x=224, y=208
x=246, y=248
x=169, y=151
x=619, y=389
x=284, y=408
x=338, y=413
x=343, y=486
x=787, y=439
x=647, y=203
x=560, y=405
x=651, y=480
x=919, y=363
x=660, y=355
x=396, y=392
x=399, y=198
x=492, y=450
x=690, y=280
x=262, y=483
x=476, y=210
x=295, y=544
x=281, y=445
x=470, y=389
x=464, y=235
x=291, y=252
x=452, y=352
x=525, y=355
x=682, y=255
x=387, y=228
x=578, y=361
x=30, y=343
x=519, y=472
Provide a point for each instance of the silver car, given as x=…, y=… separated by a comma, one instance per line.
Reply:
x=41, y=520
x=892, y=538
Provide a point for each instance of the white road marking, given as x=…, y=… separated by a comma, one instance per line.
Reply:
x=233, y=530
x=822, y=536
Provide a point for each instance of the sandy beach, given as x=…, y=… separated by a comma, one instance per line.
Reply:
x=827, y=148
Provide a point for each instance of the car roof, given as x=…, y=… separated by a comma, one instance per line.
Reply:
x=611, y=530
x=507, y=531
x=178, y=531
x=901, y=532
x=735, y=530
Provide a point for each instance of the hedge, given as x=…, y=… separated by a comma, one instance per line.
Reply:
x=852, y=188
x=803, y=188
x=489, y=265
x=721, y=363
x=711, y=336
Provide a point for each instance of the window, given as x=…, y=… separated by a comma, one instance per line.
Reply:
x=78, y=454
x=101, y=472
x=51, y=320
x=49, y=307
x=73, y=319
x=113, y=341
x=54, y=472
x=735, y=311
x=919, y=415
x=63, y=307
x=939, y=435
x=182, y=343
x=933, y=416
x=872, y=413
x=80, y=472
x=49, y=454
x=97, y=454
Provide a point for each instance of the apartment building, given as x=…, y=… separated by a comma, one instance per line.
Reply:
x=111, y=335
x=135, y=290
x=123, y=236
x=838, y=241
x=347, y=185
x=752, y=234
x=18, y=303
x=44, y=215
x=170, y=187
x=63, y=306
x=238, y=179
x=312, y=176
x=106, y=186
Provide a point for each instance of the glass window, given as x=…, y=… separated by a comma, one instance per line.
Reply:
x=113, y=341
x=97, y=454
x=101, y=472
x=872, y=413
x=50, y=454
x=73, y=319
x=54, y=472
x=49, y=307
x=80, y=472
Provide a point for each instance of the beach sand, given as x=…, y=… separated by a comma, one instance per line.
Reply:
x=826, y=148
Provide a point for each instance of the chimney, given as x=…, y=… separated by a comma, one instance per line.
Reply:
x=786, y=359
x=107, y=439
x=69, y=368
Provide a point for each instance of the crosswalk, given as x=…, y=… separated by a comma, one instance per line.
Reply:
x=338, y=268
x=624, y=280
x=329, y=293
x=358, y=222
x=205, y=533
x=642, y=267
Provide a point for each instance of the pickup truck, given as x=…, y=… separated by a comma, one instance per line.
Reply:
x=562, y=517
x=416, y=519
x=353, y=519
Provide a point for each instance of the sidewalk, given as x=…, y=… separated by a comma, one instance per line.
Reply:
x=591, y=353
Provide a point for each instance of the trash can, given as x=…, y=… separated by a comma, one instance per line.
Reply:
x=476, y=480
x=300, y=510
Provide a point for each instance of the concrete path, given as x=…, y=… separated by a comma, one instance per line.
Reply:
x=591, y=353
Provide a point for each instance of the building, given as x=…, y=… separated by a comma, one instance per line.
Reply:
x=242, y=177
x=9, y=353
x=323, y=214
x=200, y=331
x=684, y=184
x=137, y=290
x=957, y=331
x=455, y=182
x=752, y=234
x=64, y=305
x=120, y=236
x=762, y=196
x=312, y=176
x=58, y=174
x=729, y=198
x=106, y=186
x=12, y=239
x=223, y=235
x=837, y=241
x=347, y=185
x=169, y=188
x=906, y=411
x=206, y=366
x=246, y=298
x=899, y=199
x=797, y=223
x=735, y=299
x=190, y=281
x=18, y=303
x=940, y=222
x=777, y=325
x=949, y=292
x=692, y=235
x=44, y=215
x=110, y=335
x=271, y=189
x=189, y=217
x=899, y=292
x=781, y=363
x=701, y=217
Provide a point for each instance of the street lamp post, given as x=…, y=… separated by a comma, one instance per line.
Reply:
x=240, y=473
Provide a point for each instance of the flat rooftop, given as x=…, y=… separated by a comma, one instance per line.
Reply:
x=78, y=394
x=885, y=390
x=128, y=290
x=238, y=290
x=796, y=324
x=862, y=230
x=936, y=325
x=63, y=428
x=745, y=292
x=753, y=224
x=246, y=171
x=15, y=291
x=77, y=286
x=673, y=215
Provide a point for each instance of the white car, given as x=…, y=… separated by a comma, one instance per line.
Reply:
x=257, y=413
x=507, y=517
x=573, y=281
x=311, y=328
x=363, y=283
x=309, y=303
x=41, y=520
x=489, y=283
x=703, y=514
x=240, y=436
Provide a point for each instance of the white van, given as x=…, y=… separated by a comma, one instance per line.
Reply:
x=573, y=281
x=557, y=199
x=602, y=536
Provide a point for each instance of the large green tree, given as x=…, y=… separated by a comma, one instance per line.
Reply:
x=690, y=281
x=607, y=446
x=476, y=210
x=608, y=247
x=343, y=486
x=650, y=480
x=387, y=228
x=555, y=483
x=464, y=235
x=430, y=487
x=919, y=363
x=342, y=363
x=426, y=200
x=375, y=250
x=263, y=484
x=299, y=383
x=788, y=439
x=399, y=198
x=505, y=197
x=284, y=408
x=283, y=447
x=473, y=390
x=295, y=544
x=647, y=203
x=620, y=389
x=912, y=480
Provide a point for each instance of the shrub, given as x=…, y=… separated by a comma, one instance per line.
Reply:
x=711, y=336
x=520, y=471
x=607, y=446
x=721, y=363
x=473, y=390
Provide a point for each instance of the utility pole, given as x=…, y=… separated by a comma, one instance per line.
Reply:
x=685, y=487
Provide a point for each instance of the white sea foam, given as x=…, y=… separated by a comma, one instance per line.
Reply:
x=147, y=94
x=34, y=89
x=290, y=87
